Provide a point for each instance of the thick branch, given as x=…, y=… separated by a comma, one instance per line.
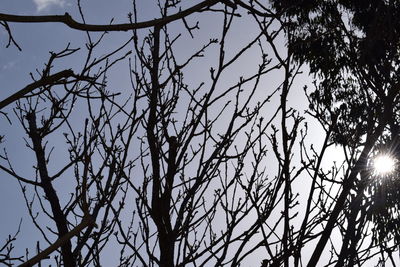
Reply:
x=87, y=220
x=51, y=79
x=70, y=22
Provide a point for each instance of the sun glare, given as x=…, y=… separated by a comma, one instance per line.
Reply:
x=384, y=164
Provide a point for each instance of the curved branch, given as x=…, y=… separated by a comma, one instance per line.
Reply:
x=70, y=22
x=51, y=79
x=22, y=179
x=87, y=220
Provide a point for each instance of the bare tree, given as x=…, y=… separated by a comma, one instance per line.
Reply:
x=190, y=156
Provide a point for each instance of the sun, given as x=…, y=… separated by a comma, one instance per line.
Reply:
x=384, y=164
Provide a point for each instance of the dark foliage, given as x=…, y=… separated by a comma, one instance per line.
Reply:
x=353, y=50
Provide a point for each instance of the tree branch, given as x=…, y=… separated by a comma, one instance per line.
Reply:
x=70, y=22
x=87, y=220
x=51, y=195
x=30, y=87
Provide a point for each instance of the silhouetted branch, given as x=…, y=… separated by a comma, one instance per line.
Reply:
x=70, y=22
x=44, y=81
x=86, y=221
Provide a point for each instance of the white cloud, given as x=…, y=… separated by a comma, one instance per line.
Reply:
x=9, y=65
x=43, y=4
